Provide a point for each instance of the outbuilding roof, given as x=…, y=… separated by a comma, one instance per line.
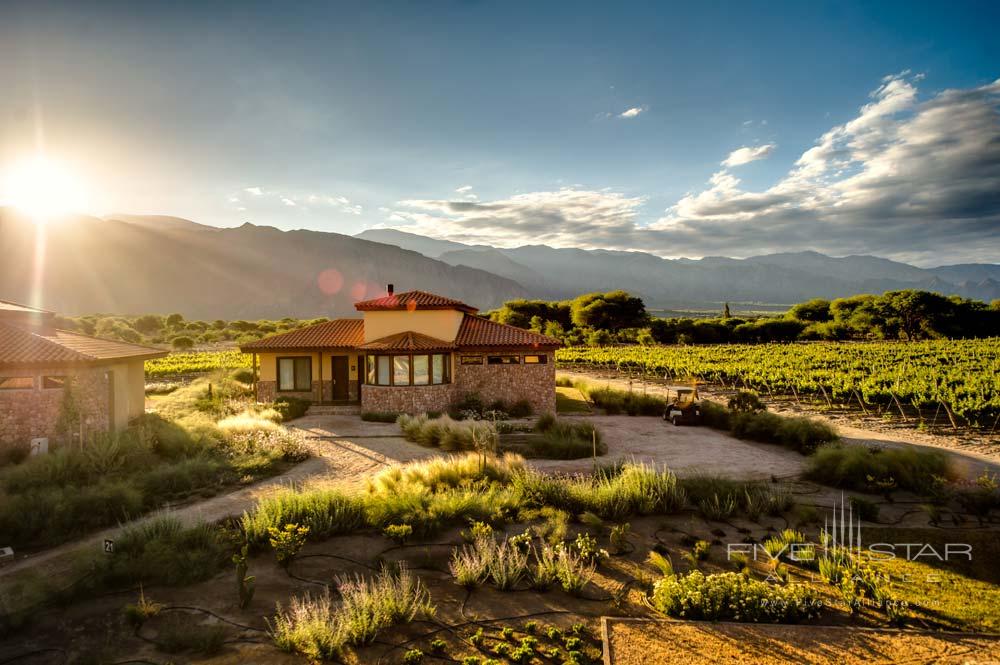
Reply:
x=339, y=333
x=411, y=300
x=38, y=346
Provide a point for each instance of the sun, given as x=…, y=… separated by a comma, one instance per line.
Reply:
x=43, y=188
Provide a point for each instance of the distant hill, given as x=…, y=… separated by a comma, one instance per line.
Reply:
x=698, y=283
x=109, y=265
x=153, y=263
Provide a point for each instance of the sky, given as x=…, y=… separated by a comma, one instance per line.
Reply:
x=680, y=129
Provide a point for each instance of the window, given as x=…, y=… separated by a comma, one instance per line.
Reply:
x=383, y=370
x=503, y=360
x=53, y=382
x=401, y=370
x=472, y=360
x=440, y=367
x=421, y=370
x=17, y=382
x=294, y=374
x=536, y=360
x=406, y=370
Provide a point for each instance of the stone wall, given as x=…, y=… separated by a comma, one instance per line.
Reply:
x=407, y=399
x=267, y=391
x=30, y=413
x=510, y=383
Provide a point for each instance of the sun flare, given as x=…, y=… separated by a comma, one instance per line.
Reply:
x=42, y=188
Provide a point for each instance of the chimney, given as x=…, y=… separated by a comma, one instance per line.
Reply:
x=388, y=289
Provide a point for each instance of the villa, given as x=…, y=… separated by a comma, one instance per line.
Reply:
x=40, y=363
x=411, y=352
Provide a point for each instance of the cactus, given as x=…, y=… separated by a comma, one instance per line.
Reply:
x=244, y=583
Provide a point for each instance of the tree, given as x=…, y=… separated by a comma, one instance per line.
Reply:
x=174, y=320
x=725, y=311
x=816, y=310
x=610, y=311
x=182, y=343
x=148, y=324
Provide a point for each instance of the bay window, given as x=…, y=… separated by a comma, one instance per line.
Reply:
x=417, y=369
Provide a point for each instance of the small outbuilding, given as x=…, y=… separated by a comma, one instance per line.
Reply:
x=62, y=385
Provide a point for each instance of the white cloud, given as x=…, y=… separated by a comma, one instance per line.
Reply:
x=632, y=112
x=288, y=202
x=919, y=180
x=748, y=154
x=256, y=191
x=464, y=189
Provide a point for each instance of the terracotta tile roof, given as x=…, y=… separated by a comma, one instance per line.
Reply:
x=477, y=331
x=339, y=333
x=408, y=341
x=413, y=300
x=6, y=305
x=39, y=346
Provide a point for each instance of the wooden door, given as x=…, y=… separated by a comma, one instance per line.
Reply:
x=339, y=378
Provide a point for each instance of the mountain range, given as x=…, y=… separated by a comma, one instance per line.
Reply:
x=783, y=278
x=131, y=264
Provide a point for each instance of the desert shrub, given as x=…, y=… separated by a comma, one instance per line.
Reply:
x=326, y=512
x=733, y=597
x=520, y=409
x=572, y=571
x=638, y=489
x=470, y=563
x=379, y=416
x=871, y=469
x=319, y=628
x=180, y=478
x=508, y=565
x=864, y=509
x=801, y=434
x=291, y=408
x=563, y=439
x=182, y=343
x=471, y=405
x=745, y=401
x=162, y=551
x=444, y=432
x=615, y=401
x=715, y=415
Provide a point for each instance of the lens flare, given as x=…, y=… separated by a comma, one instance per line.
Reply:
x=42, y=188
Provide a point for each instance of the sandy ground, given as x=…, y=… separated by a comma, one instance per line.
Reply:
x=639, y=642
x=970, y=459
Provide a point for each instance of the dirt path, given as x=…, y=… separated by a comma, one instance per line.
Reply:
x=969, y=463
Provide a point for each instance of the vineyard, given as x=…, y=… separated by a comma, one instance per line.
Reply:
x=959, y=378
x=198, y=362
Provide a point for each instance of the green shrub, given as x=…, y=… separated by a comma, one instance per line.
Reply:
x=801, y=434
x=287, y=542
x=733, y=597
x=745, y=401
x=864, y=509
x=291, y=408
x=871, y=469
x=520, y=409
x=379, y=416
x=445, y=432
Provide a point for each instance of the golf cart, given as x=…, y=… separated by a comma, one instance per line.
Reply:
x=685, y=408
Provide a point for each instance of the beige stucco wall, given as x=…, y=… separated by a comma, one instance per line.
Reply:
x=267, y=375
x=438, y=323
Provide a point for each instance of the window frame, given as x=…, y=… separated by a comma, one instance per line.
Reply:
x=62, y=377
x=472, y=359
x=513, y=359
x=295, y=375
x=542, y=359
x=15, y=378
x=375, y=359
